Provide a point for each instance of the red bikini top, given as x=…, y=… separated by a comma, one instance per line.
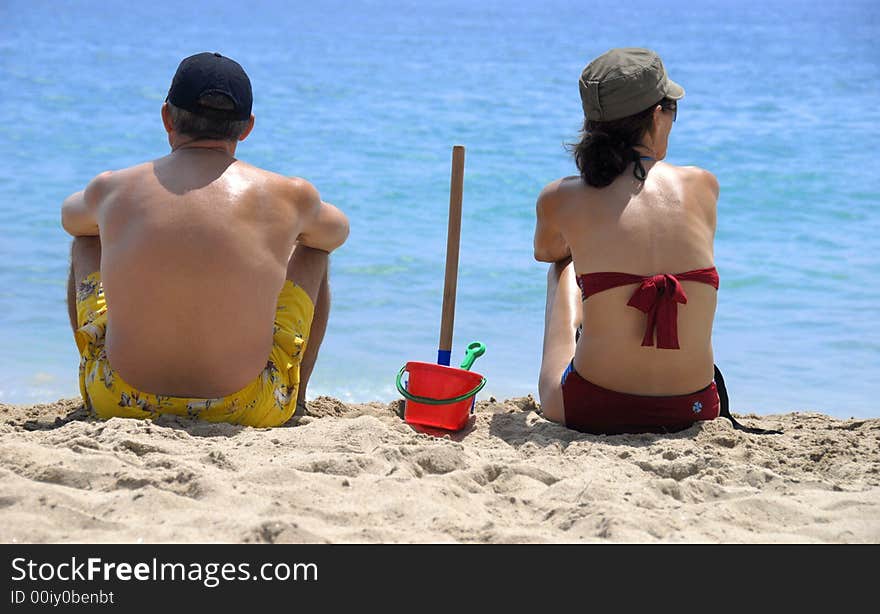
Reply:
x=658, y=296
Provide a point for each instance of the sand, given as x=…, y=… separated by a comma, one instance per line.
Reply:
x=358, y=473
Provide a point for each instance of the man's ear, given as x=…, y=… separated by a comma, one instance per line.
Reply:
x=166, y=118
x=247, y=130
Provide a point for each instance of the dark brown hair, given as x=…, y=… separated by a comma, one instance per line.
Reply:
x=607, y=148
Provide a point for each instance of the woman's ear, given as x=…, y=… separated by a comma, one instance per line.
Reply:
x=657, y=120
x=653, y=132
x=657, y=117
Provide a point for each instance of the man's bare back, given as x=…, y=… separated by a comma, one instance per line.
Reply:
x=195, y=248
x=195, y=251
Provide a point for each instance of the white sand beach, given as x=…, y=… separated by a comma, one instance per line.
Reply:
x=358, y=473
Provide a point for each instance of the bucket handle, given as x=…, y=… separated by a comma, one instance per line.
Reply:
x=429, y=401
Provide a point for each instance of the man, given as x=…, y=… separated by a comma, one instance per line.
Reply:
x=198, y=283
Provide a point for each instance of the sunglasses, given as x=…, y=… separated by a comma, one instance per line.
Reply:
x=670, y=105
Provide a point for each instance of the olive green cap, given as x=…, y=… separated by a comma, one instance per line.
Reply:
x=622, y=82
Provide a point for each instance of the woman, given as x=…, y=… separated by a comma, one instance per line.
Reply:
x=630, y=240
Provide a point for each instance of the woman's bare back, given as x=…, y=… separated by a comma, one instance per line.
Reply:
x=665, y=224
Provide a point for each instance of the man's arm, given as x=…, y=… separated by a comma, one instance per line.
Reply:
x=79, y=215
x=325, y=227
x=550, y=246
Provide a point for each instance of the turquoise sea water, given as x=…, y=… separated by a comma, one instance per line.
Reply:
x=366, y=99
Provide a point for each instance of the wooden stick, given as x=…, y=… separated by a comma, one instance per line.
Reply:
x=453, y=241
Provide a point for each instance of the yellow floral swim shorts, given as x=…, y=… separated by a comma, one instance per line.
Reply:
x=269, y=400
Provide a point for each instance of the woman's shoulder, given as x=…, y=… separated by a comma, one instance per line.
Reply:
x=700, y=189
x=697, y=178
x=556, y=192
x=562, y=185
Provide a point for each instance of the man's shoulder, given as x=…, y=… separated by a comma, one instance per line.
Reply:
x=298, y=191
x=293, y=188
x=104, y=183
x=111, y=178
x=302, y=188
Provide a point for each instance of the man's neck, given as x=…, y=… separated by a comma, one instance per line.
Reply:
x=218, y=145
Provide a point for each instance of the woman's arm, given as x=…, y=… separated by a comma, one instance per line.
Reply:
x=550, y=245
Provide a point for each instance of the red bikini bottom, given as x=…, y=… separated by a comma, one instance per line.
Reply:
x=593, y=409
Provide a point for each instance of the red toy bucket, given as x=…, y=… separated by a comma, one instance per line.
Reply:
x=438, y=396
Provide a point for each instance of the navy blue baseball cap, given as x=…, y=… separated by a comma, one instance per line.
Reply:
x=211, y=73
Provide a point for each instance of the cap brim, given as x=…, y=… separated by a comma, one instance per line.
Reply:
x=674, y=90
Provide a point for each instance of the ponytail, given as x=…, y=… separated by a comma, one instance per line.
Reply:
x=607, y=148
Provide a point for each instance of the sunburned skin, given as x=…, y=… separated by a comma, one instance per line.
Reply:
x=195, y=249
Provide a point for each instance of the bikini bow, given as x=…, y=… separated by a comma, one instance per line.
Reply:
x=658, y=296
